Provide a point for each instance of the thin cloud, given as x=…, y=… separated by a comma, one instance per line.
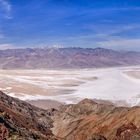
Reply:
x=6, y=46
x=121, y=43
x=108, y=34
x=119, y=30
x=120, y=9
x=125, y=9
x=107, y=39
x=7, y=7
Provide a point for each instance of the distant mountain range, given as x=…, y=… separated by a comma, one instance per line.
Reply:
x=66, y=58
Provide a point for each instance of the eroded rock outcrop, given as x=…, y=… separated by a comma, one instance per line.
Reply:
x=128, y=132
x=89, y=120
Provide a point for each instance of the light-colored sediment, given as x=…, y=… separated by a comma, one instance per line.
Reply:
x=46, y=104
x=134, y=74
x=34, y=85
x=119, y=85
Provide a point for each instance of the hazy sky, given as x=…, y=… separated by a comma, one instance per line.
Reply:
x=80, y=23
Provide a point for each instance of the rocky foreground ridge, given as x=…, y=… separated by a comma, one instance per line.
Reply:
x=86, y=120
x=22, y=121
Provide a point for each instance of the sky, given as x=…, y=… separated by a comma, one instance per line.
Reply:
x=112, y=24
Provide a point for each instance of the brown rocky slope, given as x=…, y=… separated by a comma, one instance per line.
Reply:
x=89, y=120
x=22, y=121
x=86, y=120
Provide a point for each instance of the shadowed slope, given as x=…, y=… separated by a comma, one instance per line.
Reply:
x=20, y=120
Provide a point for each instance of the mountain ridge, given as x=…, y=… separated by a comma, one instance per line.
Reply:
x=86, y=120
x=89, y=120
x=57, y=58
